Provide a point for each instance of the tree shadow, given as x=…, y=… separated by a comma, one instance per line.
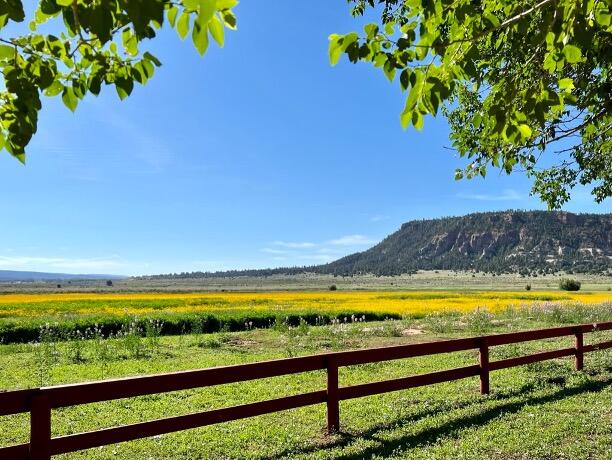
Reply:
x=385, y=447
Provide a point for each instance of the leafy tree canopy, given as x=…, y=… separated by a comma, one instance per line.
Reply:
x=100, y=44
x=515, y=78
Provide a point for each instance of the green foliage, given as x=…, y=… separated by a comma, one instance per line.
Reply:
x=568, y=284
x=100, y=44
x=515, y=78
x=132, y=330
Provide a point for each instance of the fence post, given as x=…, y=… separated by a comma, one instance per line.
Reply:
x=484, y=366
x=40, y=428
x=579, y=351
x=333, y=405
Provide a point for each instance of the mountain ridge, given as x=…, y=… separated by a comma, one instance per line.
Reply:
x=500, y=242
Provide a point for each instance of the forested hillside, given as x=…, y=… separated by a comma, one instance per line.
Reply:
x=498, y=242
x=513, y=241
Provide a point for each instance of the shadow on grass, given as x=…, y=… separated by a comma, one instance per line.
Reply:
x=385, y=447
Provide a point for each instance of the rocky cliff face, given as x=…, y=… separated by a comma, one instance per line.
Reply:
x=498, y=241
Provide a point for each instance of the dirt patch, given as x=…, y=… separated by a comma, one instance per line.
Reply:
x=412, y=331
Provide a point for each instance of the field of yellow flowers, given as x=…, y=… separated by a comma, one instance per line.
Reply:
x=402, y=303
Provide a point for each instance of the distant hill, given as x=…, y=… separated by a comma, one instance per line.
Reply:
x=508, y=241
x=511, y=241
x=11, y=275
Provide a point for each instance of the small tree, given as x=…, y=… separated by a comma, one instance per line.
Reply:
x=528, y=287
x=109, y=283
x=568, y=284
x=333, y=287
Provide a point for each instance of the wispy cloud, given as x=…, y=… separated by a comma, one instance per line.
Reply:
x=34, y=263
x=294, y=245
x=275, y=251
x=378, y=218
x=352, y=240
x=298, y=253
x=506, y=195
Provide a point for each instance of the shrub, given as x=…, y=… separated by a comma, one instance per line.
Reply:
x=479, y=320
x=568, y=284
x=333, y=287
x=528, y=287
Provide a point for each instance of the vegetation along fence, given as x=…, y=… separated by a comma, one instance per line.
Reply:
x=40, y=401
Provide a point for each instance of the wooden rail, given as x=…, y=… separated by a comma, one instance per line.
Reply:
x=40, y=402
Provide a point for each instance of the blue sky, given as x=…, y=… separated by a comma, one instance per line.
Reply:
x=257, y=155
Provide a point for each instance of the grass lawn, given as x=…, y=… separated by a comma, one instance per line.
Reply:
x=545, y=410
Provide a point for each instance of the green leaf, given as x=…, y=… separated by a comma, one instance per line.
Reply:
x=226, y=4
x=417, y=120
x=149, y=57
x=64, y=2
x=130, y=43
x=199, y=34
x=566, y=84
x=69, y=98
x=335, y=48
x=124, y=87
x=371, y=30
x=572, y=54
x=7, y=52
x=54, y=89
x=172, y=14
x=491, y=18
x=207, y=10
x=603, y=15
x=389, y=70
x=405, y=79
x=216, y=30
x=182, y=26
x=525, y=131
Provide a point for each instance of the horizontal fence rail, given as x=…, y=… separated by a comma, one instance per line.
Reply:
x=40, y=402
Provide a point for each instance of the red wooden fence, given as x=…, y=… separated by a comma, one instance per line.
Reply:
x=40, y=401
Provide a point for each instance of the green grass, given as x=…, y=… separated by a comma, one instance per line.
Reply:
x=423, y=280
x=545, y=411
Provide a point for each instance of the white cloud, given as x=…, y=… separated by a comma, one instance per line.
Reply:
x=297, y=253
x=275, y=251
x=294, y=245
x=506, y=195
x=378, y=218
x=353, y=240
x=95, y=264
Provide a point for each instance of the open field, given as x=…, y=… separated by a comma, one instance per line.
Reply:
x=544, y=411
x=21, y=315
x=423, y=280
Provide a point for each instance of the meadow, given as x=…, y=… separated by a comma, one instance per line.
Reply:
x=545, y=410
x=540, y=411
x=23, y=314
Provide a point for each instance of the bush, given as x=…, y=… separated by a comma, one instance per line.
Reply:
x=528, y=287
x=333, y=287
x=568, y=284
